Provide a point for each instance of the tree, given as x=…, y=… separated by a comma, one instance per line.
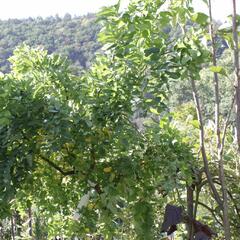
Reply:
x=75, y=136
x=105, y=147
x=219, y=140
x=226, y=193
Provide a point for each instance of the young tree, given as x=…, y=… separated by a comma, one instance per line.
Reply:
x=219, y=139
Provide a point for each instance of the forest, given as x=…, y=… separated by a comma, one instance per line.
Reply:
x=122, y=125
x=72, y=37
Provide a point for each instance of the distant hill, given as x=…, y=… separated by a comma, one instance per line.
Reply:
x=75, y=37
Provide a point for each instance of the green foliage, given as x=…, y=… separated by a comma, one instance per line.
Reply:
x=75, y=38
x=100, y=153
x=218, y=69
x=200, y=18
x=63, y=136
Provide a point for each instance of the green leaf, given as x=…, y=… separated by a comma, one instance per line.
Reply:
x=200, y=18
x=4, y=121
x=218, y=69
x=195, y=123
x=151, y=50
x=107, y=11
x=174, y=75
x=155, y=111
x=206, y=2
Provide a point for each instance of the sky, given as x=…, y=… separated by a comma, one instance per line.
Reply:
x=44, y=8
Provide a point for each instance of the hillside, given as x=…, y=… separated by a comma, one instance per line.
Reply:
x=74, y=37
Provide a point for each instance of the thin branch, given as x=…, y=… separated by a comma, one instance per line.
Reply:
x=56, y=167
x=216, y=78
x=229, y=193
x=52, y=164
x=132, y=124
x=234, y=203
x=211, y=211
x=198, y=189
x=219, y=146
x=233, y=200
x=202, y=145
x=227, y=121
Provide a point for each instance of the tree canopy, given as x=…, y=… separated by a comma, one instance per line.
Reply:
x=72, y=37
x=103, y=153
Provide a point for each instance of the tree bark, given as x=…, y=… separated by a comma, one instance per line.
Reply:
x=220, y=146
x=236, y=70
x=190, y=200
x=12, y=228
x=18, y=224
x=30, y=221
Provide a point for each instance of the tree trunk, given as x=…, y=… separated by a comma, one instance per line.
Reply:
x=237, y=71
x=1, y=231
x=12, y=228
x=17, y=224
x=219, y=142
x=202, y=144
x=190, y=200
x=30, y=221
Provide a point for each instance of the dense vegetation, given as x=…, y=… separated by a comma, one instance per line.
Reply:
x=151, y=122
x=74, y=37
